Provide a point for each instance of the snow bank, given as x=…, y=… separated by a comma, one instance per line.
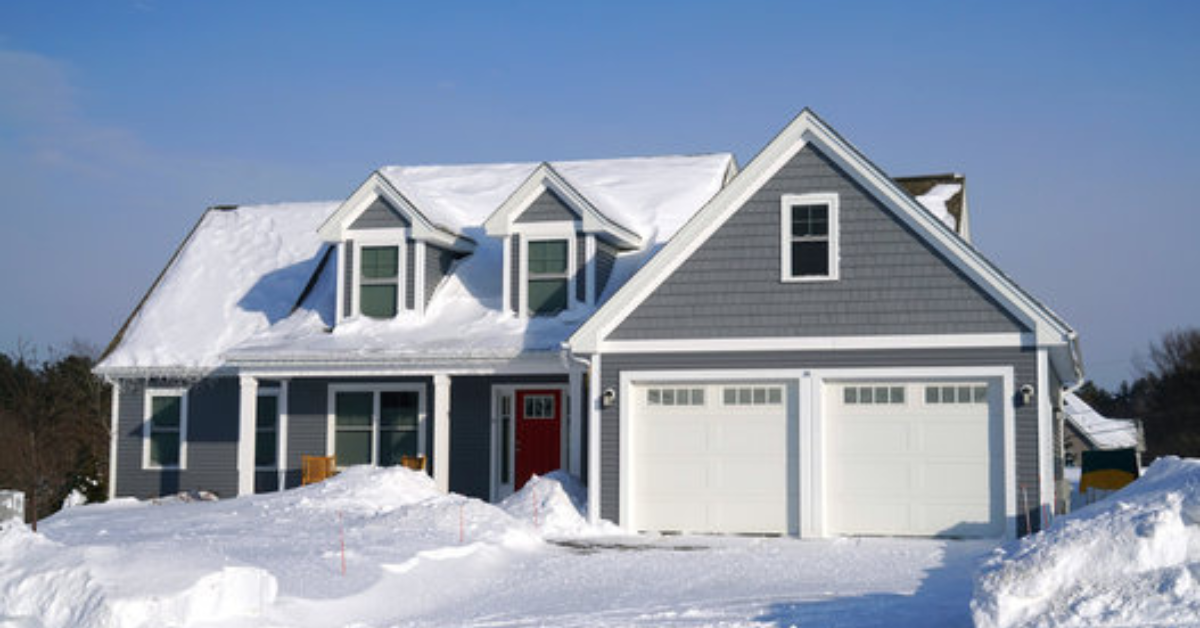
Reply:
x=556, y=504
x=366, y=489
x=46, y=584
x=1130, y=560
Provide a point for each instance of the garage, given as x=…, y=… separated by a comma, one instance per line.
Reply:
x=914, y=458
x=713, y=457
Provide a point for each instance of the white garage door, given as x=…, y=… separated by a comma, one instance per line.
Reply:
x=712, y=458
x=915, y=458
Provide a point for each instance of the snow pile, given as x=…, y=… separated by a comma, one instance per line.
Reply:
x=935, y=201
x=556, y=504
x=74, y=498
x=1106, y=433
x=371, y=490
x=1130, y=560
x=239, y=272
x=45, y=584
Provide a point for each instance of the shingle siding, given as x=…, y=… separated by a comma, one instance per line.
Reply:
x=514, y=273
x=410, y=274
x=606, y=257
x=212, y=433
x=379, y=215
x=581, y=286
x=890, y=281
x=1023, y=361
x=547, y=207
x=437, y=266
x=347, y=278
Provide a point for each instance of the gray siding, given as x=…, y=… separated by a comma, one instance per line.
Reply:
x=437, y=266
x=581, y=268
x=890, y=281
x=1024, y=362
x=347, y=278
x=471, y=430
x=606, y=256
x=547, y=208
x=212, y=433
x=380, y=215
x=514, y=274
x=410, y=274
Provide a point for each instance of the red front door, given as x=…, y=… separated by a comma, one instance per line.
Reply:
x=539, y=432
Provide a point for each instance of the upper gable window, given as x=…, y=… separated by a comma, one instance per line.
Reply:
x=548, y=276
x=809, y=237
x=379, y=283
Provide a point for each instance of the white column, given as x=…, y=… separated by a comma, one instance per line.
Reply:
x=282, y=449
x=247, y=411
x=594, y=441
x=112, y=445
x=441, y=431
x=506, y=271
x=592, y=293
x=1045, y=435
x=575, y=423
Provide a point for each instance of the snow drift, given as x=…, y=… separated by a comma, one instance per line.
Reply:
x=1130, y=560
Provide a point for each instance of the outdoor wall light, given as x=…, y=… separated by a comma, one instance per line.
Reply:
x=608, y=398
x=1027, y=393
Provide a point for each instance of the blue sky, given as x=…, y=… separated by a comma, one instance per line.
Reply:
x=1075, y=124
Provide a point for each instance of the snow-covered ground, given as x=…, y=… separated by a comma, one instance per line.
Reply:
x=416, y=557
x=1132, y=559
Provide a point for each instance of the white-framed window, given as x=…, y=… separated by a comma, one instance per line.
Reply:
x=540, y=407
x=947, y=394
x=675, y=396
x=164, y=428
x=376, y=424
x=808, y=229
x=752, y=395
x=873, y=394
x=380, y=266
x=548, y=276
x=266, y=430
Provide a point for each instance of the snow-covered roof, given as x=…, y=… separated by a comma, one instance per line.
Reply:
x=1105, y=433
x=943, y=195
x=231, y=294
x=241, y=270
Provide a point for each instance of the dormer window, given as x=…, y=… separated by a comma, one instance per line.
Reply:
x=809, y=237
x=548, y=277
x=379, y=283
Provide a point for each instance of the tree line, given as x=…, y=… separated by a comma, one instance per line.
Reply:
x=1166, y=396
x=54, y=429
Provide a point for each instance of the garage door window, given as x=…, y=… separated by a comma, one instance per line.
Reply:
x=752, y=396
x=675, y=396
x=869, y=395
x=956, y=394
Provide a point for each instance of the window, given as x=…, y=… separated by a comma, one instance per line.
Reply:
x=753, y=396
x=675, y=396
x=548, y=280
x=164, y=443
x=379, y=285
x=875, y=394
x=959, y=393
x=809, y=237
x=539, y=407
x=377, y=426
x=266, y=430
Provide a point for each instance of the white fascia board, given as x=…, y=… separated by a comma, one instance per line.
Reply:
x=819, y=343
x=804, y=129
x=547, y=363
x=376, y=186
x=546, y=178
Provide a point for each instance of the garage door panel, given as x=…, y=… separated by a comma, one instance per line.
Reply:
x=666, y=475
x=874, y=477
x=874, y=436
x=954, y=438
x=948, y=479
x=754, y=437
x=749, y=476
x=673, y=437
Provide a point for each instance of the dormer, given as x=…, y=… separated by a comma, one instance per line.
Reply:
x=559, y=249
x=391, y=256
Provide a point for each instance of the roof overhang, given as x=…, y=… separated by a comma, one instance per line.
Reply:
x=378, y=186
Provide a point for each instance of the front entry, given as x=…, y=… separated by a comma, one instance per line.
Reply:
x=538, y=432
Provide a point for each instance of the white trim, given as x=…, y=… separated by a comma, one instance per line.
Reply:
x=546, y=363
x=511, y=390
x=810, y=384
x=506, y=280
x=247, y=434
x=552, y=232
x=114, y=430
x=377, y=186
x=381, y=238
x=342, y=295
x=804, y=129
x=418, y=271
x=147, y=394
x=819, y=343
x=833, y=254
x=376, y=388
x=441, y=432
x=592, y=294
x=1045, y=415
x=282, y=451
x=594, y=418
x=268, y=392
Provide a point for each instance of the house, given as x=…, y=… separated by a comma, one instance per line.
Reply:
x=797, y=347
x=1088, y=430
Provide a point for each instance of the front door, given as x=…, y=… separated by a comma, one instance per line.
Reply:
x=539, y=432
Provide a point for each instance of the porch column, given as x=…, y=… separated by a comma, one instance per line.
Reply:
x=441, y=431
x=115, y=399
x=281, y=451
x=247, y=411
x=575, y=423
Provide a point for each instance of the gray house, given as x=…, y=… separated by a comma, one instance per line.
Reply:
x=801, y=347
